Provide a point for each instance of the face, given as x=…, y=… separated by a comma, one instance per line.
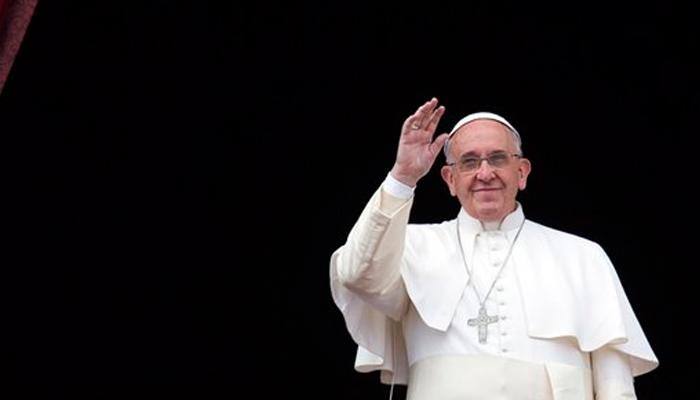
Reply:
x=487, y=194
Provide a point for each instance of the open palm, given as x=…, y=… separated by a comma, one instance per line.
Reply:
x=417, y=151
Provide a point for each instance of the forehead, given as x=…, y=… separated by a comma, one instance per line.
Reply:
x=482, y=135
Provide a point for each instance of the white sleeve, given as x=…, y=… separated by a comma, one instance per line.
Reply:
x=397, y=188
x=369, y=264
x=612, y=375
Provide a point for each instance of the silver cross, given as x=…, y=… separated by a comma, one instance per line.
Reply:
x=482, y=321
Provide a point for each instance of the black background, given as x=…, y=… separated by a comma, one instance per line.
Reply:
x=177, y=174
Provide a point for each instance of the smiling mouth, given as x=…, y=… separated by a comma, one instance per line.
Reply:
x=486, y=189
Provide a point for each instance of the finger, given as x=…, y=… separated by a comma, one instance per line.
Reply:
x=437, y=145
x=414, y=121
x=411, y=123
x=420, y=118
x=426, y=111
x=435, y=119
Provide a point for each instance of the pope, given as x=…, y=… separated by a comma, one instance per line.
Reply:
x=490, y=304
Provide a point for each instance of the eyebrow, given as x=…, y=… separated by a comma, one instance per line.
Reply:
x=474, y=154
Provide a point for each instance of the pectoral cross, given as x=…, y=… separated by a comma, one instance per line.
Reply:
x=482, y=322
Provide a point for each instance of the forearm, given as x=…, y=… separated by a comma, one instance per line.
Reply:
x=371, y=259
x=612, y=375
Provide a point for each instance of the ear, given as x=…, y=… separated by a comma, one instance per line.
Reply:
x=523, y=171
x=448, y=176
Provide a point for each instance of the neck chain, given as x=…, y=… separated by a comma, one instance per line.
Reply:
x=483, y=319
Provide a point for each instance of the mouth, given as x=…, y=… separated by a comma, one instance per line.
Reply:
x=486, y=189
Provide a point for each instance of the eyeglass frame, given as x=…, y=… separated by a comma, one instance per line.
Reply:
x=480, y=160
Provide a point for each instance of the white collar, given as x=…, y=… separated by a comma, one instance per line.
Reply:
x=470, y=226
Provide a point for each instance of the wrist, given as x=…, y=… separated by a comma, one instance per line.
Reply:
x=404, y=178
x=397, y=188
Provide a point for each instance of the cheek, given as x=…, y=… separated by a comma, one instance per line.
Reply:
x=515, y=178
x=464, y=184
x=510, y=182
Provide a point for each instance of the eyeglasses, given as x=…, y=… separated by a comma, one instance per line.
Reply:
x=470, y=164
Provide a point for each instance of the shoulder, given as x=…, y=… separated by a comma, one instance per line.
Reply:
x=438, y=228
x=430, y=234
x=564, y=240
x=579, y=255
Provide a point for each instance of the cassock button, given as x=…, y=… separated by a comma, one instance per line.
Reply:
x=504, y=350
x=503, y=303
x=504, y=334
x=499, y=288
x=503, y=317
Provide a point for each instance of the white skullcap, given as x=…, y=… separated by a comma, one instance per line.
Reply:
x=480, y=115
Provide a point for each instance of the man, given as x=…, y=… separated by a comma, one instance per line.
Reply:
x=488, y=305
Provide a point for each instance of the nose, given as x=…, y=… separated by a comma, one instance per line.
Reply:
x=485, y=172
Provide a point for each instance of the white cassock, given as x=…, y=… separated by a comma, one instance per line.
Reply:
x=565, y=327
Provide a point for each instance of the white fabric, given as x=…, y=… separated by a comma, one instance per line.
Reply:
x=482, y=115
x=397, y=188
x=433, y=276
x=612, y=375
x=508, y=337
x=569, y=383
x=478, y=377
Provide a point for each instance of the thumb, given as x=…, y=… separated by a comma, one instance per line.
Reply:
x=436, y=146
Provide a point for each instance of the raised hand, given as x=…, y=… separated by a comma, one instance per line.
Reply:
x=417, y=150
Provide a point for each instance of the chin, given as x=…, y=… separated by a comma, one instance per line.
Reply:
x=489, y=217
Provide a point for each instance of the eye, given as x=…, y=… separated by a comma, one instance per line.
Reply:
x=498, y=159
x=470, y=163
